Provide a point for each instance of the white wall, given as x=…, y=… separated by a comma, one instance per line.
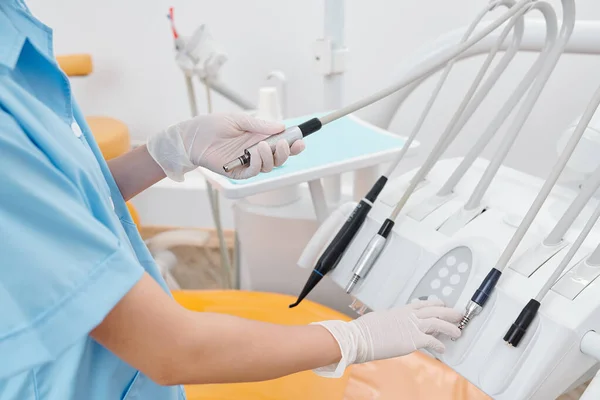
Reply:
x=136, y=80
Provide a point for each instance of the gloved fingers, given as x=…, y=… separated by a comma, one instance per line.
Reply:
x=297, y=147
x=282, y=152
x=426, y=303
x=434, y=344
x=445, y=313
x=434, y=326
x=266, y=155
x=255, y=125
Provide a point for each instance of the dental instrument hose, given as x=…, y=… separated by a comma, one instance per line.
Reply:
x=313, y=125
x=519, y=328
x=376, y=245
x=335, y=250
x=484, y=291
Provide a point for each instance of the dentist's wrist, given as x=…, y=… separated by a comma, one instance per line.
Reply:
x=169, y=152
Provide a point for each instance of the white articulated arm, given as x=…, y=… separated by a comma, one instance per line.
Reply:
x=584, y=40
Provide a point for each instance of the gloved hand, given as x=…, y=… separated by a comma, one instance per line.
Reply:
x=391, y=333
x=210, y=141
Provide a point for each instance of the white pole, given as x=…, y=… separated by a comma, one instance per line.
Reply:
x=333, y=83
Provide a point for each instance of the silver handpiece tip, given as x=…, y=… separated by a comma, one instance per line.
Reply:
x=233, y=164
x=352, y=283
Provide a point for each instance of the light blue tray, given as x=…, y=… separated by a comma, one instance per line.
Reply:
x=341, y=146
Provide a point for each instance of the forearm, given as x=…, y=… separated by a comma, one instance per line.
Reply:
x=135, y=172
x=173, y=345
x=224, y=349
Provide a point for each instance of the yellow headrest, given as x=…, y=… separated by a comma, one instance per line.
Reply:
x=75, y=64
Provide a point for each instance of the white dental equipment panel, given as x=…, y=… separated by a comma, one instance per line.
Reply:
x=421, y=262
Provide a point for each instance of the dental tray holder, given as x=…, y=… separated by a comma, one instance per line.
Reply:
x=345, y=145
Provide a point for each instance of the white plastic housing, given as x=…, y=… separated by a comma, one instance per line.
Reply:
x=548, y=362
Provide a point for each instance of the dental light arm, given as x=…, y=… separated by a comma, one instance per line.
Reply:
x=484, y=291
x=298, y=132
x=225, y=91
x=335, y=250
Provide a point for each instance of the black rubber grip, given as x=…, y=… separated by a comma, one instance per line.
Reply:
x=386, y=228
x=338, y=246
x=519, y=328
x=310, y=126
x=376, y=189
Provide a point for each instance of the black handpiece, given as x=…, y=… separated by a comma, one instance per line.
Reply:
x=336, y=249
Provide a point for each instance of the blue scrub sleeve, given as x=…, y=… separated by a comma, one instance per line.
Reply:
x=61, y=269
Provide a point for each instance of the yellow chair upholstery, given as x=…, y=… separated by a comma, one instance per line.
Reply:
x=111, y=135
x=414, y=377
x=134, y=214
x=75, y=64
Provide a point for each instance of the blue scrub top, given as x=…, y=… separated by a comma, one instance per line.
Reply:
x=69, y=250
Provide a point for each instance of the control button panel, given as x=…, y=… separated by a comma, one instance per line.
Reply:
x=447, y=277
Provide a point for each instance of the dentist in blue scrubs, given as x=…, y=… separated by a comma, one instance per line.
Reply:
x=84, y=312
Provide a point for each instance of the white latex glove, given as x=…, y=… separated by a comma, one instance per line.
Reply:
x=391, y=333
x=210, y=141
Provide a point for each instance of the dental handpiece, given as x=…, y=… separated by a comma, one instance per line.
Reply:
x=370, y=254
x=290, y=135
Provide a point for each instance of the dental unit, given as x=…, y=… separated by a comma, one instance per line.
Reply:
x=481, y=236
x=461, y=116
x=400, y=255
x=332, y=254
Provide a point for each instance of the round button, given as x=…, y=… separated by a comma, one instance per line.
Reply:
x=463, y=267
x=433, y=297
x=450, y=261
x=447, y=291
x=436, y=283
x=443, y=272
x=454, y=279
